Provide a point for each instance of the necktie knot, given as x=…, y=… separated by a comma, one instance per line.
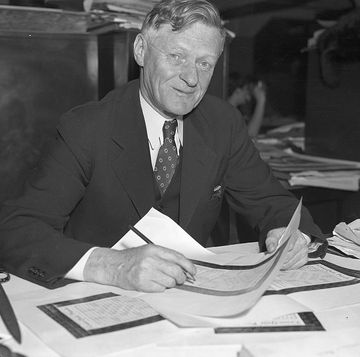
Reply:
x=169, y=129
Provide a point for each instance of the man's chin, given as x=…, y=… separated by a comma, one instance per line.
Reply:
x=182, y=109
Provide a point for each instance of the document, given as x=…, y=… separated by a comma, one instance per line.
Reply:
x=320, y=285
x=302, y=321
x=90, y=320
x=163, y=231
x=314, y=275
x=341, y=180
x=225, y=290
x=100, y=313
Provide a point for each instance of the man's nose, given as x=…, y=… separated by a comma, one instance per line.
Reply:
x=189, y=74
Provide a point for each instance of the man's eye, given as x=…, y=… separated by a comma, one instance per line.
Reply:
x=205, y=66
x=175, y=58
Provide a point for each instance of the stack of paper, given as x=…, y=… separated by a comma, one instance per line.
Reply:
x=340, y=180
x=113, y=15
x=134, y=6
x=347, y=238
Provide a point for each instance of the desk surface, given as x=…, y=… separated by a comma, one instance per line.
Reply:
x=341, y=337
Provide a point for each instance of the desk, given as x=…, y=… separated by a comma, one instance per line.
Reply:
x=341, y=337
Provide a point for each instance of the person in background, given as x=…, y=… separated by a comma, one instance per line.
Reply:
x=248, y=94
x=158, y=141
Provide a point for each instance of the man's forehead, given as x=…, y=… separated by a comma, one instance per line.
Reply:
x=196, y=33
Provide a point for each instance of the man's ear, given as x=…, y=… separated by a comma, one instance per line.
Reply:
x=139, y=49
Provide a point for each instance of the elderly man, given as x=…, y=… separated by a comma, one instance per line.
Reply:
x=156, y=142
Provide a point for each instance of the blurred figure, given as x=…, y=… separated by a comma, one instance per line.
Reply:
x=248, y=94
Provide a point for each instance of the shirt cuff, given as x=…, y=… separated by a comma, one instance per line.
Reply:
x=77, y=271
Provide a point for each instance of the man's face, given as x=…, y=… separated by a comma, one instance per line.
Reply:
x=177, y=66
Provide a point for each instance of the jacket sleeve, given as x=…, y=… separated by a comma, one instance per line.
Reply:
x=254, y=192
x=32, y=243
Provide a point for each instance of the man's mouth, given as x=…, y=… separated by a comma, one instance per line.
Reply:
x=183, y=92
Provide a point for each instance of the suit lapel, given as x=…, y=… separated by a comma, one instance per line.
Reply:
x=198, y=160
x=130, y=153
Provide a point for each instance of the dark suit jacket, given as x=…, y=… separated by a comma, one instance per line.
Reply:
x=97, y=178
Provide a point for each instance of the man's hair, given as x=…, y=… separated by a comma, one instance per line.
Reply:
x=180, y=14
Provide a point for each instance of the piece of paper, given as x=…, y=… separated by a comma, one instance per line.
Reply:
x=268, y=307
x=99, y=337
x=221, y=291
x=162, y=230
x=100, y=313
x=302, y=321
x=313, y=275
x=341, y=180
x=321, y=285
x=347, y=238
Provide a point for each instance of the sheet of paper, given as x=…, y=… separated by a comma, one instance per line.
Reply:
x=307, y=276
x=4, y=336
x=347, y=238
x=97, y=333
x=228, y=290
x=345, y=180
x=343, y=343
x=300, y=322
x=268, y=307
x=322, y=285
x=162, y=230
x=102, y=313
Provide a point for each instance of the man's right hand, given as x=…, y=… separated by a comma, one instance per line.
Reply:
x=149, y=268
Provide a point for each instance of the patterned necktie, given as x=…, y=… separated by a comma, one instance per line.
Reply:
x=167, y=158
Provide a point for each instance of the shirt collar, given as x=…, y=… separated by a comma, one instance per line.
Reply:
x=154, y=122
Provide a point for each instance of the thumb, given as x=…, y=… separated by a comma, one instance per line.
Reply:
x=271, y=243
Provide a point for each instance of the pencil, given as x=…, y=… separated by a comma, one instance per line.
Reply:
x=189, y=277
x=141, y=235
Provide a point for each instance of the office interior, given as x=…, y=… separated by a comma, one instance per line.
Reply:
x=51, y=63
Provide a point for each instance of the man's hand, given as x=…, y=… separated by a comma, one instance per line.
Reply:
x=297, y=255
x=149, y=268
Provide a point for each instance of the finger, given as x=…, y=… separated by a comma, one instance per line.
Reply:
x=273, y=238
x=272, y=243
x=151, y=287
x=165, y=280
x=155, y=275
x=173, y=272
x=178, y=259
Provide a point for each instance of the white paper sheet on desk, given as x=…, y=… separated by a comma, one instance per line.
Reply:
x=162, y=230
x=267, y=308
x=222, y=291
x=58, y=338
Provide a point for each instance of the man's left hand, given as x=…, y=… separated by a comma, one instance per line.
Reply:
x=297, y=256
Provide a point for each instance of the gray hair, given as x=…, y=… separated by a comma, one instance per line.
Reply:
x=180, y=14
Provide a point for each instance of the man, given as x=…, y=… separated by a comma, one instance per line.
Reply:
x=105, y=169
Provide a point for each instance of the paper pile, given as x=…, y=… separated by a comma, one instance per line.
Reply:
x=340, y=180
x=115, y=15
x=347, y=238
